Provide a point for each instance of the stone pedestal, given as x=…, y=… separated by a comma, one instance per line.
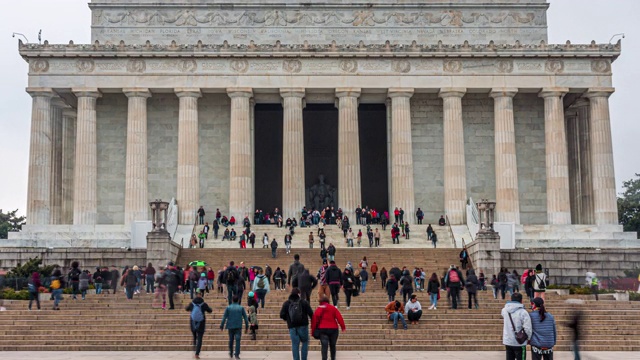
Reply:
x=241, y=163
x=68, y=163
x=188, y=181
x=455, y=178
x=349, y=185
x=401, y=152
x=293, y=192
x=136, y=192
x=507, y=197
x=558, y=205
x=39, y=183
x=85, y=197
x=604, y=186
x=57, y=106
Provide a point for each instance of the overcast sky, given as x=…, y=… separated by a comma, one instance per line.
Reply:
x=62, y=20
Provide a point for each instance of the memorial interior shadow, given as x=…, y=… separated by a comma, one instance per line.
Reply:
x=320, y=144
x=268, y=156
x=372, y=130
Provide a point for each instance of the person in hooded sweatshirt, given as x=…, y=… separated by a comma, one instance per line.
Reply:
x=348, y=285
x=392, y=287
x=407, y=286
x=472, y=285
x=545, y=333
x=306, y=283
x=197, y=329
x=299, y=325
x=261, y=287
x=333, y=277
x=514, y=311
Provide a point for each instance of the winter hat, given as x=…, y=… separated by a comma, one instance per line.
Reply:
x=203, y=275
x=539, y=267
x=250, y=293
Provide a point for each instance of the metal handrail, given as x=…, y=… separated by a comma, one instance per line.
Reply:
x=450, y=231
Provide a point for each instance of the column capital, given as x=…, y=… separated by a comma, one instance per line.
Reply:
x=240, y=92
x=188, y=92
x=553, y=92
x=87, y=92
x=503, y=92
x=348, y=92
x=400, y=92
x=137, y=92
x=292, y=92
x=452, y=92
x=41, y=92
x=599, y=92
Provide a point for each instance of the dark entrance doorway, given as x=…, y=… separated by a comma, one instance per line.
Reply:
x=320, y=144
x=372, y=129
x=268, y=156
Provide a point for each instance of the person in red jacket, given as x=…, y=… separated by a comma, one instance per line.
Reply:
x=326, y=320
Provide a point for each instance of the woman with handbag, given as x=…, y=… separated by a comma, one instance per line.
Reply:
x=324, y=324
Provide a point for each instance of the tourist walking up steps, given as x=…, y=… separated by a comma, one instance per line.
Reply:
x=198, y=307
x=34, y=286
x=544, y=330
x=472, y=285
x=57, y=285
x=334, y=279
x=540, y=282
x=261, y=287
x=433, y=288
x=233, y=317
x=453, y=281
x=515, y=319
x=297, y=312
x=325, y=324
x=295, y=268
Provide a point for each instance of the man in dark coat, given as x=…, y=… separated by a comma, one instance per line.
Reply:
x=306, y=283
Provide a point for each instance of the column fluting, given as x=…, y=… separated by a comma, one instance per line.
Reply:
x=389, y=154
x=573, y=155
x=188, y=180
x=136, y=204
x=455, y=179
x=293, y=192
x=85, y=196
x=586, y=180
x=558, y=204
x=40, y=151
x=57, y=106
x=68, y=162
x=401, y=152
x=349, y=185
x=241, y=162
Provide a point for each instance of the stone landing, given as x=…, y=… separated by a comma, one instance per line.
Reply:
x=575, y=236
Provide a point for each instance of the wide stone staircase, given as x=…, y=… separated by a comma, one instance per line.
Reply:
x=109, y=322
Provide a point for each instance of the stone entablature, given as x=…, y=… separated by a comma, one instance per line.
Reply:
x=188, y=21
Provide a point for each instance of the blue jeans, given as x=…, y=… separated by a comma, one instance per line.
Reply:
x=434, y=299
x=332, y=257
x=192, y=288
x=231, y=290
x=57, y=297
x=398, y=316
x=235, y=334
x=98, y=288
x=363, y=286
x=299, y=335
x=262, y=293
x=129, y=290
x=150, y=284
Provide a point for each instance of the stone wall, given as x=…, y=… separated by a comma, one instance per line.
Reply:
x=162, y=130
x=568, y=266
x=479, y=147
x=528, y=112
x=88, y=258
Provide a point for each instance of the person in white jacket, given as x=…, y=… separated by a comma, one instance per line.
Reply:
x=514, y=311
x=413, y=310
x=261, y=286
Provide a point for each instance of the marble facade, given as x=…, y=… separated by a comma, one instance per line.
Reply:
x=160, y=105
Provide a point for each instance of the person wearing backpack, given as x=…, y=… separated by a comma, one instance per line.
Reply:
x=539, y=282
x=306, y=283
x=453, y=281
x=472, y=285
x=502, y=282
x=34, y=285
x=74, y=278
x=84, y=283
x=173, y=281
x=198, y=307
x=230, y=277
x=57, y=285
x=516, y=319
x=261, y=287
x=297, y=312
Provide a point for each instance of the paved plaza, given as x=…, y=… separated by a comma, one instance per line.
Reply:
x=282, y=355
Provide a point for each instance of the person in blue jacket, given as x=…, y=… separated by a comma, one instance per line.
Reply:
x=544, y=334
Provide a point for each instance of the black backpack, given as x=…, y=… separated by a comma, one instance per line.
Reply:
x=232, y=276
x=296, y=314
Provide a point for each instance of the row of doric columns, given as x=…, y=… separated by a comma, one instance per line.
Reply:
x=63, y=155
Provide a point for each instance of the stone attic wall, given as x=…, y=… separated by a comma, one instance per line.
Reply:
x=162, y=135
x=112, y=143
x=528, y=111
x=479, y=147
x=428, y=154
x=214, y=115
x=88, y=258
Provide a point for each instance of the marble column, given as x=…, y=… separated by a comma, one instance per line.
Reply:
x=455, y=178
x=188, y=181
x=586, y=180
x=604, y=185
x=573, y=151
x=136, y=197
x=558, y=205
x=85, y=196
x=401, y=152
x=68, y=162
x=241, y=162
x=389, y=154
x=57, y=106
x=349, y=185
x=293, y=193
x=40, y=145
x=252, y=120
x=507, y=196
